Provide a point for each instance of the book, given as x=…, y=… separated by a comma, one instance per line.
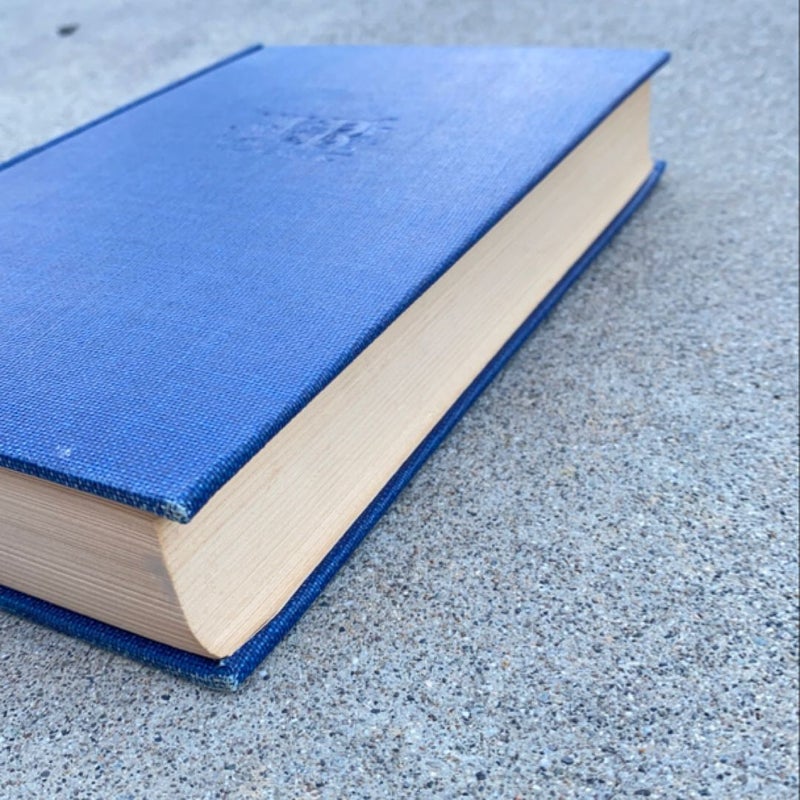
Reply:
x=238, y=314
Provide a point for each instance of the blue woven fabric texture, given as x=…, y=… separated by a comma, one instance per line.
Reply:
x=180, y=279
x=230, y=672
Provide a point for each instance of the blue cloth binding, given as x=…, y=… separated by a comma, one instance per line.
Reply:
x=180, y=278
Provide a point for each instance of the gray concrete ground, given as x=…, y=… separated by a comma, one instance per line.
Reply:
x=591, y=589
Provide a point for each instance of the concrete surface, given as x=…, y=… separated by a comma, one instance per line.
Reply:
x=591, y=589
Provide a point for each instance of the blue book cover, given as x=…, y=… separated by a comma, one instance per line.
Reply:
x=181, y=277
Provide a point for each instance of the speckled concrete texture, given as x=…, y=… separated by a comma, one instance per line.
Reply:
x=590, y=591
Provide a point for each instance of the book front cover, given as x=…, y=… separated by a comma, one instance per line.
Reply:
x=180, y=279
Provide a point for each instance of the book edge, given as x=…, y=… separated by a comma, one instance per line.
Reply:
x=230, y=672
x=36, y=149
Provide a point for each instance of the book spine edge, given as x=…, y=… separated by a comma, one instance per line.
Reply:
x=26, y=154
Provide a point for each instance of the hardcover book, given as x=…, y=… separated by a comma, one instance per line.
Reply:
x=237, y=315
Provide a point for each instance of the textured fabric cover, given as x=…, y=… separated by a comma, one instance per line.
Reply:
x=229, y=673
x=180, y=279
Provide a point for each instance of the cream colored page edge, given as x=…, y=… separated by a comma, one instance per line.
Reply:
x=237, y=563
